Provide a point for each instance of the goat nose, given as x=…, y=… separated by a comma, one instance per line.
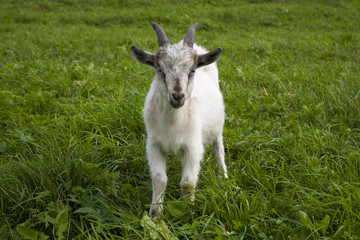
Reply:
x=178, y=96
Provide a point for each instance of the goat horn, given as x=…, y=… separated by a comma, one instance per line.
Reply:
x=189, y=38
x=162, y=38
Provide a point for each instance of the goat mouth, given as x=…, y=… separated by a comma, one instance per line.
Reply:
x=177, y=104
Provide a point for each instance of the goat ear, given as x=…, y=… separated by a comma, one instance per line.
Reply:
x=142, y=56
x=209, y=57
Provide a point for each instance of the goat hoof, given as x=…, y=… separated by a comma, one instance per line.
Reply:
x=188, y=194
x=154, y=213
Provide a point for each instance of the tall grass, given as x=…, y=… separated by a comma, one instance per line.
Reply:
x=72, y=160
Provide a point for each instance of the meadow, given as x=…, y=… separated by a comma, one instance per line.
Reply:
x=72, y=138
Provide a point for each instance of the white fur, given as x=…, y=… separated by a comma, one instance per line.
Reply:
x=184, y=130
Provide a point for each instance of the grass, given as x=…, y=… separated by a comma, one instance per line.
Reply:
x=72, y=158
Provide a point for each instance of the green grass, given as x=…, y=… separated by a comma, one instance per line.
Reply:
x=72, y=158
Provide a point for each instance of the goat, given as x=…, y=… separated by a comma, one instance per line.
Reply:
x=183, y=110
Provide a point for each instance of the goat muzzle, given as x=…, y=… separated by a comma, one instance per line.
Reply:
x=177, y=99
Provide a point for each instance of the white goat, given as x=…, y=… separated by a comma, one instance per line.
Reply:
x=183, y=110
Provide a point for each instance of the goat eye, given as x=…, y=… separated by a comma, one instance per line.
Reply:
x=191, y=73
x=159, y=71
x=162, y=74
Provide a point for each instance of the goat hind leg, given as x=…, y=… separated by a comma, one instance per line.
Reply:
x=219, y=155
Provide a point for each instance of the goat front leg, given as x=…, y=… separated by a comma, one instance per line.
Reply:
x=191, y=167
x=157, y=165
x=219, y=155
